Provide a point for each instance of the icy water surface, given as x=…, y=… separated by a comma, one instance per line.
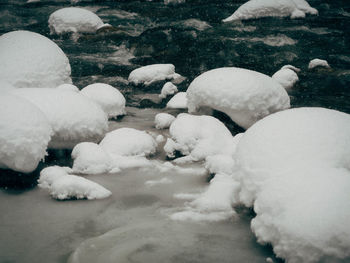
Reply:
x=133, y=225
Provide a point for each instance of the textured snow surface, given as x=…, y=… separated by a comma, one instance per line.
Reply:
x=178, y=101
x=294, y=168
x=318, y=63
x=109, y=98
x=40, y=63
x=163, y=120
x=152, y=73
x=63, y=185
x=24, y=134
x=74, y=20
x=244, y=95
x=69, y=87
x=168, y=89
x=73, y=117
x=287, y=76
x=272, y=8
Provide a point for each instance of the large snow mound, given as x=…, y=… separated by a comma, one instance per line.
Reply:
x=198, y=137
x=63, y=185
x=109, y=98
x=163, y=120
x=168, y=89
x=74, y=20
x=294, y=167
x=178, y=101
x=24, y=134
x=153, y=73
x=244, y=95
x=272, y=8
x=287, y=76
x=73, y=117
x=30, y=60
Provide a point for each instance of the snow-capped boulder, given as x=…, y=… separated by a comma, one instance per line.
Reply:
x=244, y=95
x=293, y=167
x=63, y=185
x=24, y=134
x=198, y=137
x=272, y=8
x=30, y=60
x=109, y=98
x=287, y=76
x=178, y=101
x=163, y=120
x=74, y=20
x=318, y=63
x=150, y=74
x=73, y=117
x=70, y=87
x=168, y=89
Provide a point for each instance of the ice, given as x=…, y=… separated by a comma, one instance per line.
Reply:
x=178, y=101
x=287, y=76
x=272, y=8
x=168, y=89
x=24, y=134
x=244, y=95
x=163, y=120
x=74, y=20
x=109, y=98
x=73, y=117
x=40, y=63
x=318, y=63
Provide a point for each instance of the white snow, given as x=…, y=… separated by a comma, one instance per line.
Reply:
x=62, y=185
x=287, y=76
x=152, y=73
x=163, y=120
x=168, y=89
x=74, y=20
x=24, y=134
x=164, y=180
x=109, y=98
x=272, y=8
x=73, y=117
x=318, y=63
x=70, y=87
x=40, y=63
x=293, y=167
x=244, y=95
x=178, y=101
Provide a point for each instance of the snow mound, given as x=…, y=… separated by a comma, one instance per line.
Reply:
x=163, y=120
x=24, y=134
x=254, y=9
x=294, y=168
x=128, y=142
x=73, y=117
x=178, y=101
x=318, y=63
x=168, y=89
x=39, y=62
x=74, y=20
x=62, y=185
x=244, y=95
x=153, y=73
x=69, y=87
x=198, y=137
x=287, y=76
x=109, y=98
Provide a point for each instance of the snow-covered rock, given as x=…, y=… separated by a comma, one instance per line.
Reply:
x=74, y=20
x=30, y=60
x=168, y=89
x=244, y=95
x=24, y=134
x=318, y=63
x=272, y=8
x=287, y=76
x=293, y=167
x=70, y=87
x=62, y=185
x=198, y=137
x=152, y=73
x=73, y=117
x=163, y=120
x=109, y=98
x=178, y=101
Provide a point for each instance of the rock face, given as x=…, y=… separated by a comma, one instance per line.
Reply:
x=30, y=60
x=244, y=95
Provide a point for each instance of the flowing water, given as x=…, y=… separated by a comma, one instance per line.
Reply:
x=133, y=225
